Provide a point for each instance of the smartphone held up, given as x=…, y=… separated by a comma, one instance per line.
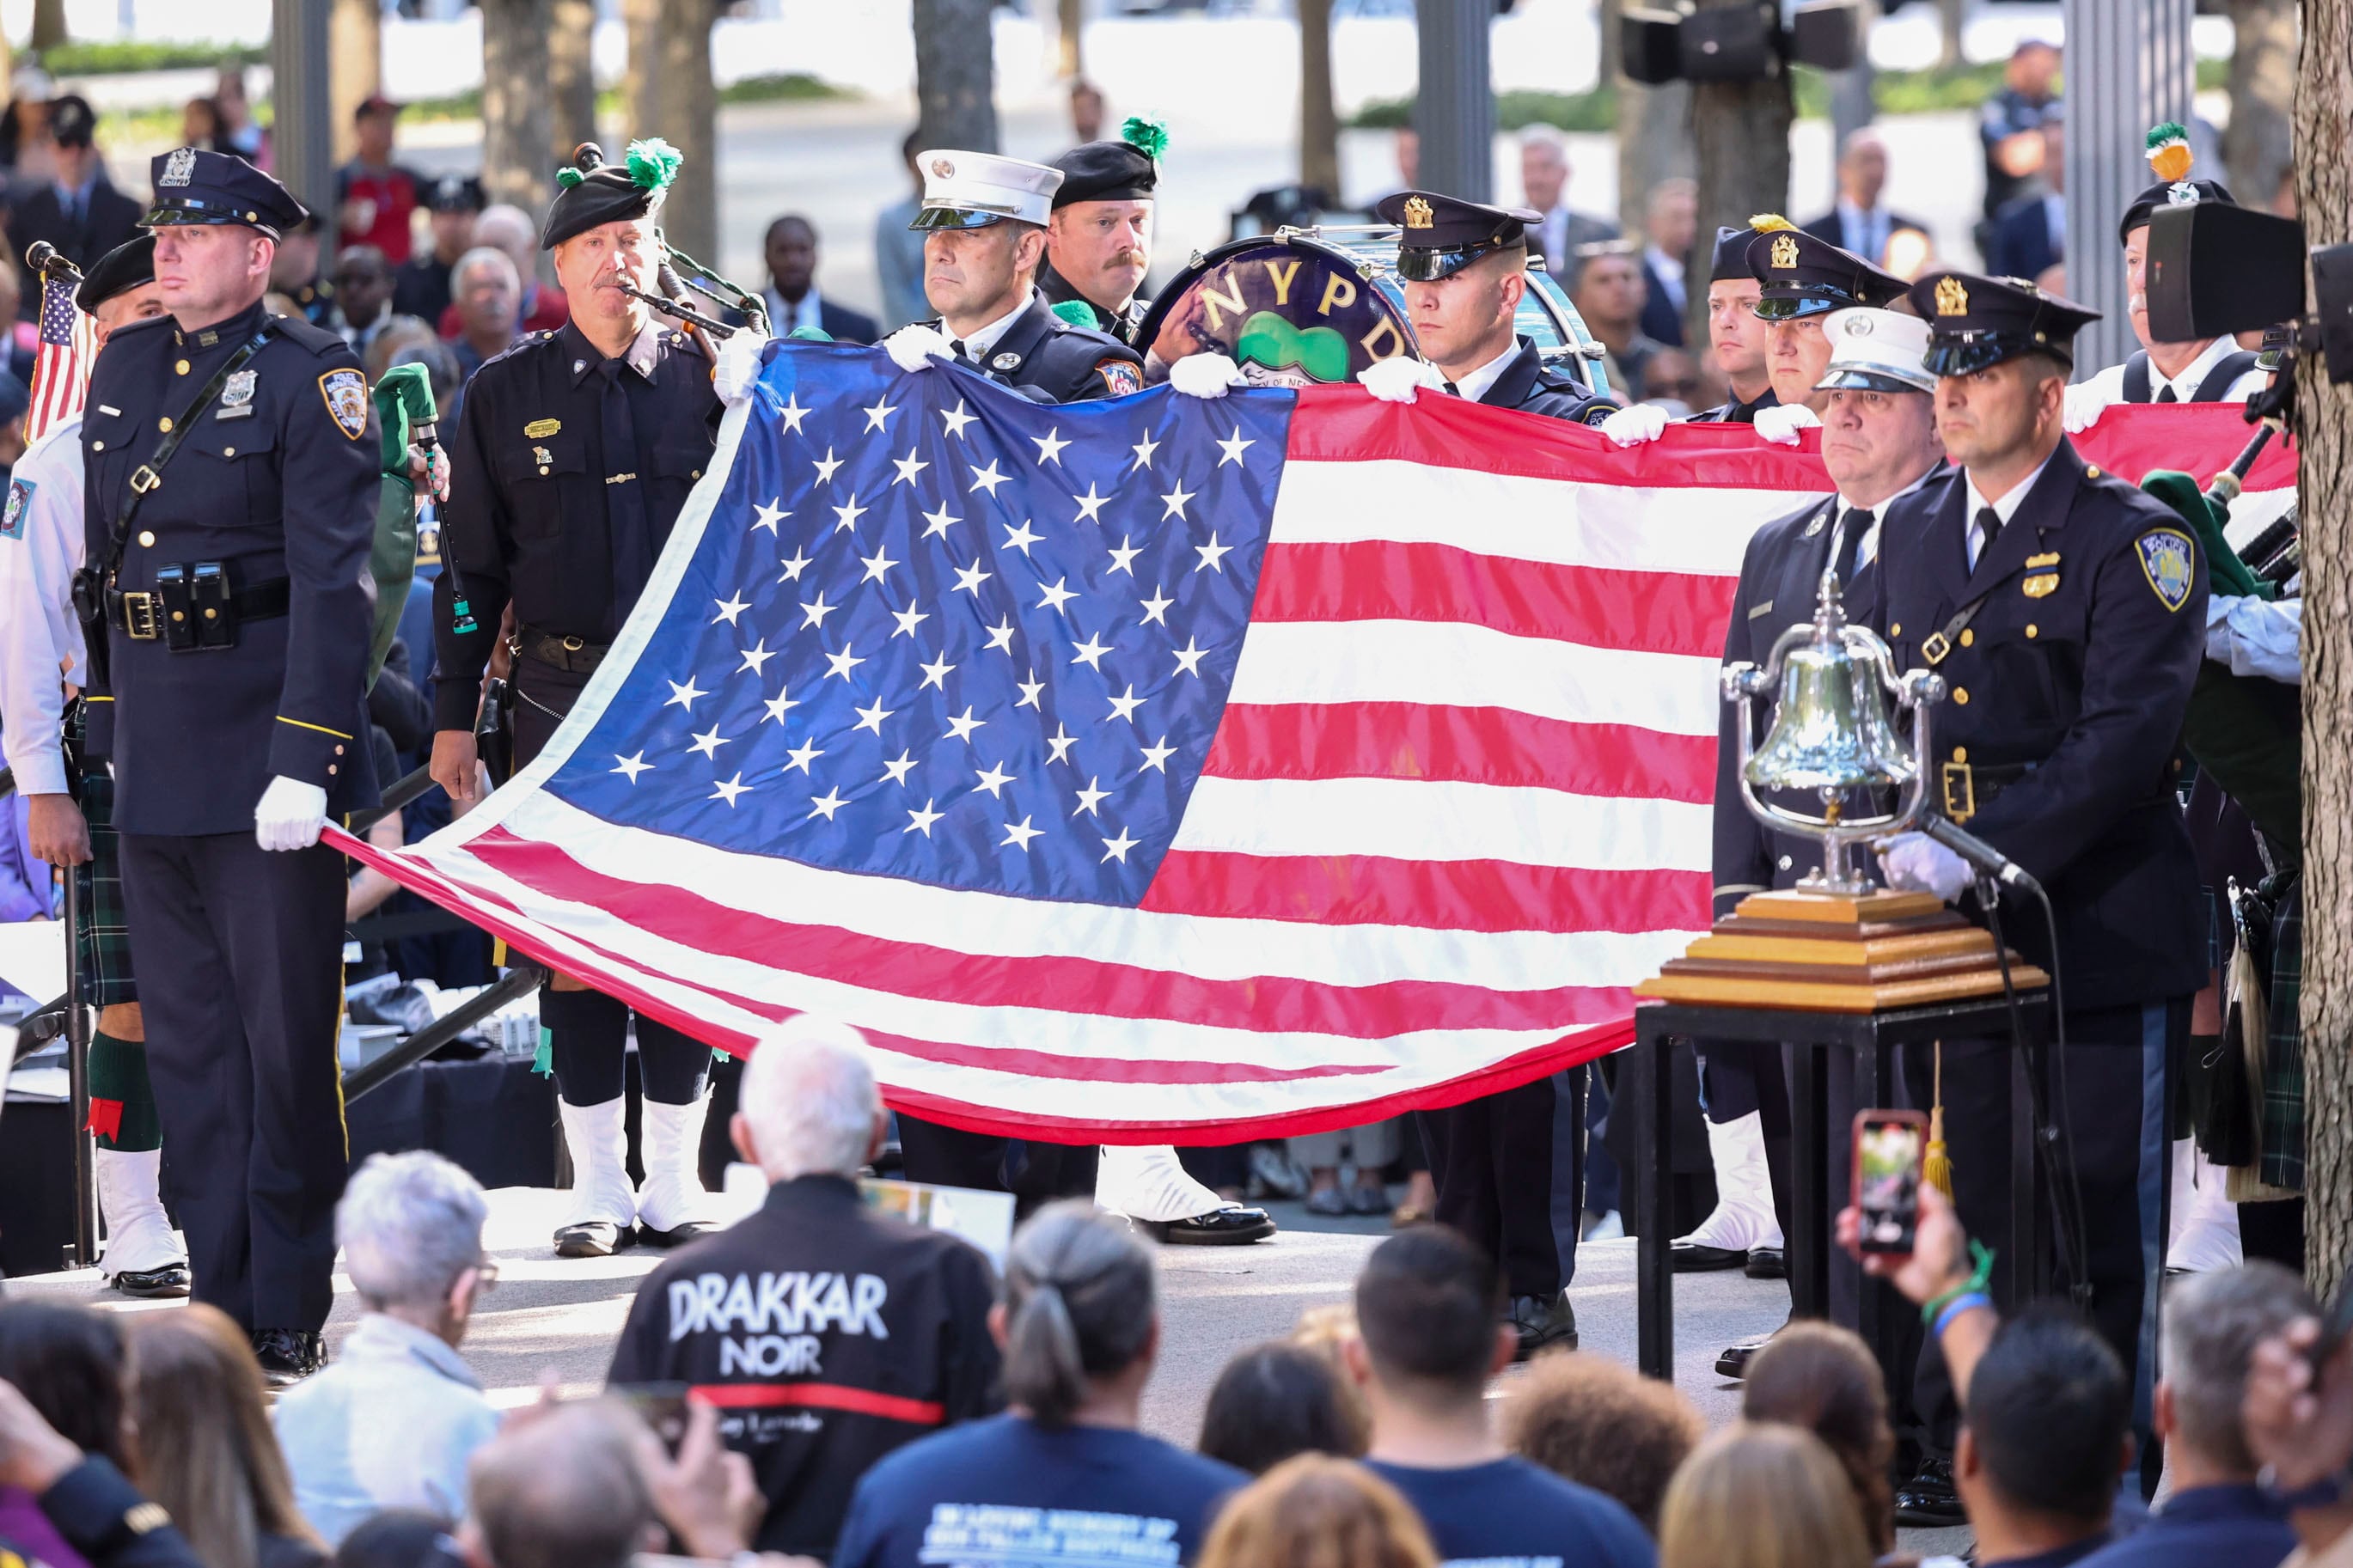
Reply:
x=1890, y=1147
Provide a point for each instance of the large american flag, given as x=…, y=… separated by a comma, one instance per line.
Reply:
x=61, y=364
x=1148, y=768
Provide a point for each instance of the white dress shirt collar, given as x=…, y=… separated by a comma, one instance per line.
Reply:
x=811, y=313
x=1474, y=387
x=2185, y=385
x=2004, y=508
x=977, y=344
x=1869, y=547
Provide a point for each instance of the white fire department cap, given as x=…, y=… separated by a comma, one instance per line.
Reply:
x=1881, y=351
x=973, y=190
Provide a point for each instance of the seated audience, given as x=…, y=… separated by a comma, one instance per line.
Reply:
x=391, y=1424
x=1063, y=1476
x=1272, y=1401
x=1317, y=1512
x=1604, y=1426
x=66, y=1361
x=2215, y=1516
x=401, y=1538
x=835, y=1334
x=510, y=230
x=1430, y=1333
x=206, y=1450
x=1823, y=1378
x=1761, y=1497
x=564, y=1489
x=85, y=1503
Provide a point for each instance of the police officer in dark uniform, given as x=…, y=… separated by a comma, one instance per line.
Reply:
x=1099, y=240
x=1734, y=330
x=576, y=449
x=984, y=218
x=2067, y=610
x=1465, y=267
x=1801, y=279
x=231, y=467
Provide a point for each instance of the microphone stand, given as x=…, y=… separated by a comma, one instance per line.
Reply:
x=2055, y=1146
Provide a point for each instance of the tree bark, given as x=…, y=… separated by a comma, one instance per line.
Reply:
x=515, y=111
x=1654, y=143
x=955, y=74
x=1741, y=133
x=2324, y=101
x=355, y=67
x=1319, y=118
x=1950, y=17
x=1073, y=58
x=48, y=24
x=570, y=77
x=672, y=96
x=2262, y=97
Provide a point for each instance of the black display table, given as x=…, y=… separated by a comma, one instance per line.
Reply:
x=1872, y=1038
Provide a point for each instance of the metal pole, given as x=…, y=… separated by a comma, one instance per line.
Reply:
x=1851, y=105
x=2128, y=67
x=1456, y=110
x=85, y=1207
x=302, y=140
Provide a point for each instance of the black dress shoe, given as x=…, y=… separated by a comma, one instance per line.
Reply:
x=1543, y=1324
x=1734, y=1363
x=153, y=1284
x=1766, y=1263
x=1232, y=1226
x=593, y=1238
x=1927, y=1501
x=1693, y=1257
x=288, y=1356
x=676, y=1235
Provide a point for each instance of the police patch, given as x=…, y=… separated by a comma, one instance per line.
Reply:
x=2168, y=559
x=345, y=391
x=12, y=516
x=1119, y=376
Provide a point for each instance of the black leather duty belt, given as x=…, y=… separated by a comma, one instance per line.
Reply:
x=574, y=654
x=192, y=610
x=1967, y=788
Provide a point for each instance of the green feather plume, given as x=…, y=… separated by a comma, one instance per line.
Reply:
x=1149, y=137
x=568, y=176
x=1078, y=312
x=653, y=163
x=2171, y=131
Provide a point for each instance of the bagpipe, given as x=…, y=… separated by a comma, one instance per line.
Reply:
x=697, y=279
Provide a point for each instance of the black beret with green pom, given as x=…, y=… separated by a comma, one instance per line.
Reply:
x=1127, y=170
x=590, y=192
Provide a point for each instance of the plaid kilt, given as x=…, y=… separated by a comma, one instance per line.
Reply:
x=102, y=938
x=2282, y=1162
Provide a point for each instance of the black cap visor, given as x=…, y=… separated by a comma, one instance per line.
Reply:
x=173, y=211
x=1789, y=305
x=1864, y=381
x=956, y=217
x=1418, y=264
x=1966, y=354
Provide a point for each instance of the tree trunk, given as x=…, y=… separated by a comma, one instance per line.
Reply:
x=356, y=65
x=1654, y=132
x=48, y=24
x=2262, y=97
x=570, y=77
x=515, y=109
x=1950, y=17
x=1319, y=119
x=2323, y=104
x=672, y=96
x=955, y=74
x=1853, y=104
x=1741, y=131
x=1072, y=60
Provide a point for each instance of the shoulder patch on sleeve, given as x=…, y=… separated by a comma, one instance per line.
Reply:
x=12, y=515
x=345, y=391
x=2169, y=560
x=1120, y=375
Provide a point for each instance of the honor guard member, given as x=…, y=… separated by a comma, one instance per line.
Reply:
x=1509, y=1168
x=984, y=220
x=1734, y=329
x=2066, y=611
x=231, y=469
x=70, y=801
x=1879, y=445
x=2215, y=371
x=1099, y=240
x=574, y=451
x=1465, y=268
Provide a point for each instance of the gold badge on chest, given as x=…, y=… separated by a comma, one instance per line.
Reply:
x=2039, y=586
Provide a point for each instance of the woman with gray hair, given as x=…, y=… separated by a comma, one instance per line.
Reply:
x=394, y=1421
x=1063, y=1476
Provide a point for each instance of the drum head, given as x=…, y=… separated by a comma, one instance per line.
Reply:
x=1290, y=312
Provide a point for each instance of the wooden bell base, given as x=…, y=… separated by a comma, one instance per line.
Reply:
x=1839, y=952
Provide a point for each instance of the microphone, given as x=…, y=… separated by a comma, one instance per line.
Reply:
x=1980, y=854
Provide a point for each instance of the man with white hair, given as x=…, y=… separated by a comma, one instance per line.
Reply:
x=394, y=1421
x=829, y=1333
x=1544, y=184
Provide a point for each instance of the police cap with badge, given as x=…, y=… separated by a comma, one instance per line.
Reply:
x=1442, y=235
x=590, y=193
x=1976, y=322
x=195, y=185
x=1876, y=351
x=118, y=271
x=456, y=193
x=1804, y=275
x=1127, y=170
x=1729, y=258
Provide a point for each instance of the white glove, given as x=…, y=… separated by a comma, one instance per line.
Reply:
x=1393, y=379
x=1205, y=375
x=1633, y=426
x=1781, y=423
x=914, y=347
x=2081, y=404
x=738, y=366
x=289, y=815
x=1917, y=863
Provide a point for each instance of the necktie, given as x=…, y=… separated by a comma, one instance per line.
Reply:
x=955, y=347
x=792, y=316
x=1452, y=390
x=2164, y=394
x=629, y=531
x=1852, y=522
x=1989, y=524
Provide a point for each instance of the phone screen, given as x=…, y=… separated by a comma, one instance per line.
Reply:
x=661, y=1406
x=1888, y=1148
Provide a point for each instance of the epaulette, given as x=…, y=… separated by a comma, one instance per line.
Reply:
x=316, y=338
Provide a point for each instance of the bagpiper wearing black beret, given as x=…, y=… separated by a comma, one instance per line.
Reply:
x=1127, y=170
x=2169, y=159
x=118, y=271
x=590, y=192
x=1443, y=235
x=195, y=185
x=1976, y=322
x=1804, y=275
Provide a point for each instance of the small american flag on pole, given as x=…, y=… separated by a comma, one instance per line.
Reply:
x=61, y=369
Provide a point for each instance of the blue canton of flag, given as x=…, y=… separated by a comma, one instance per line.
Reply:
x=930, y=630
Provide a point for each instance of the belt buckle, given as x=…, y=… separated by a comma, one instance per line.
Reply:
x=573, y=645
x=1960, y=792
x=139, y=619
x=1936, y=647
x=144, y=478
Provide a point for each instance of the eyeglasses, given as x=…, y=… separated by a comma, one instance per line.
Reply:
x=486, y=1274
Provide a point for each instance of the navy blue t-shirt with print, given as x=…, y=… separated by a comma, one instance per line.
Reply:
x=1509, y=1513
x=1009, y=1493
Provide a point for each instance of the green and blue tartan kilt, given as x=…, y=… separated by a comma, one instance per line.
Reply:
x=102, y=936
x=2282, y=1163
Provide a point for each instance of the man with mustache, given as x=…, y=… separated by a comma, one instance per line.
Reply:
x=1099, y=240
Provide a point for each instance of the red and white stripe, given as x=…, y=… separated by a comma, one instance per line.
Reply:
x=1457, y=806
x=60, y=369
